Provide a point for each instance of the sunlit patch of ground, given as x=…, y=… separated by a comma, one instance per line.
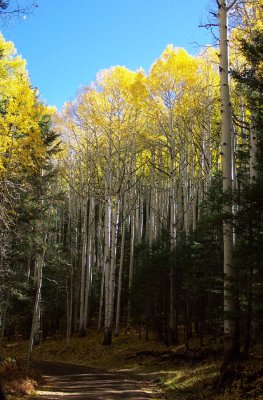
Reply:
x=80, y=383
x=186, y=381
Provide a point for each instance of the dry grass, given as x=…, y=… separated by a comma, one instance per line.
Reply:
x=88, y=350
x=21, y=386
x=18, y=380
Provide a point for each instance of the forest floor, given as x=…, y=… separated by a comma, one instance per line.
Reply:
x=130, y=368
x=79, y=382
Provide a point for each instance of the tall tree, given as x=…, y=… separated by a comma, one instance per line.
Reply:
x=231, y=340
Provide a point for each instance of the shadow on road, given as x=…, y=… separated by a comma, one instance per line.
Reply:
x=77, y=382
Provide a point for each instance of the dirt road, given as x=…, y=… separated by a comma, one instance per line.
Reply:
x=67, y=381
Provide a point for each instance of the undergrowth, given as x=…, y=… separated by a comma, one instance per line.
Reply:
x=185, y=374
x=18, y=380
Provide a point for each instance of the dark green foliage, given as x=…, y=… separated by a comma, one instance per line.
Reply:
x=251, y=77
x=207, y=254
x=249, y=254
x=49, y=137
x=31, y=215
x=249, y=199
x=250, y=81
x=197, y=262
x=151, y=286
x=3, y=5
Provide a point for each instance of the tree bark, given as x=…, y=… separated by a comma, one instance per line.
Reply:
x=231, y=342
x=123, y=235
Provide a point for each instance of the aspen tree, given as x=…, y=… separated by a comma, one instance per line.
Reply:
x=231, y=341
x=252, y=19
x=151, y=164
x=131, y=266
x=36, y=320
x=170, y=78
x=90, y=256
x=120, y=275
x=84, y=213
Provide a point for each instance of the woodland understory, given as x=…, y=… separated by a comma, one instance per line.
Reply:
x=131, y=223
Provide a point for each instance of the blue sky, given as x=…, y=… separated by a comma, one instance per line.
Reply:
x=66, y=42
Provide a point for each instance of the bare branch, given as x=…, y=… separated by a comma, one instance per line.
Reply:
x=231, y=5
x=7, y=13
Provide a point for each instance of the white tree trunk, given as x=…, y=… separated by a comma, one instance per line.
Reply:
x=123, y=236
x=90, y=259
x=230, y=300
x=83, y=267
x=131, y=268
x=36, y=320
x=114, y=236
x=107, y=264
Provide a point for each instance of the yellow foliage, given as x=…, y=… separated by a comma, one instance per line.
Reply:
x=21, y=143
x=126, y=114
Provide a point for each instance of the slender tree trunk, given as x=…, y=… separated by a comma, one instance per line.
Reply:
x=231, y=342
x=253, y=151
x=131, y=268
x=36, y=320
x=114, y=237
x=107, y=264
x=100, y=264
x=90, y=258
x=4, y=314
x=123, y=236
x=101, y=300
x=251, y=283
x=83, y=268
x=69, y=289
x=173, y=233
